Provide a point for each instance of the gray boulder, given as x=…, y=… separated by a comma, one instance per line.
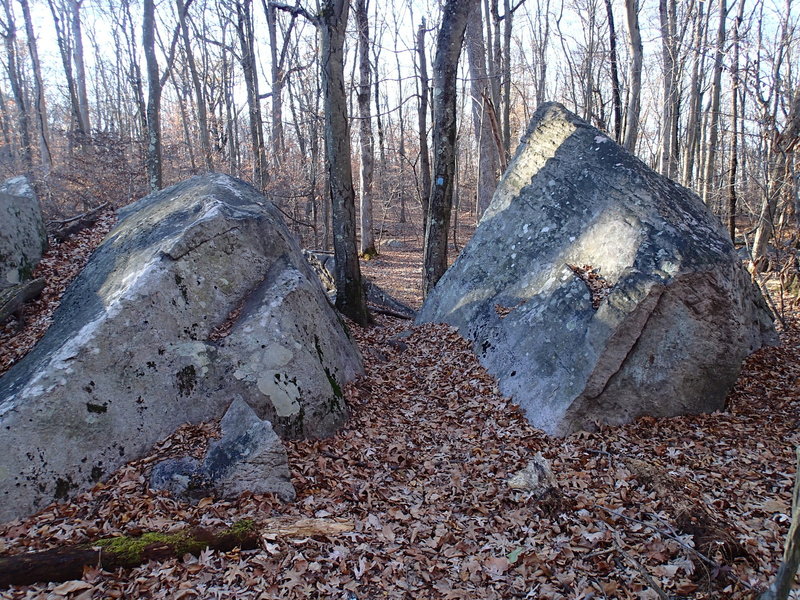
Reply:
x=596, y=290
x=200, y=294
x=249, y=457
x=23, y=238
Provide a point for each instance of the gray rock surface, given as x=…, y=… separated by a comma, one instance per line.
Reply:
x=200, y=294
x=23, y=238
x=249, y=457
x=672, y=314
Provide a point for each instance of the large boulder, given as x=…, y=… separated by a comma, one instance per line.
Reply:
x=23, y=238
x=596, y=290
x=199, y=295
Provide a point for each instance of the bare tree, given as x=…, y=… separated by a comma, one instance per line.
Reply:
x=39, y=101
x=331, y=22
x=155, y=85
x=780, y=180
x=12, y=64
x=445, y=71
x=80, y=69
x=615, y=93
x=200, y=100
x=667, y=10
x=734, y=154
x=244, y=29
x=484, y=119
x=422, y=118
x=693, y=120
x=367, y=248
x=278, y=76
x=635, y=77
x=709, y=173
x=153, y=161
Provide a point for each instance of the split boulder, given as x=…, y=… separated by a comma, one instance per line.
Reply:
x=199, y=295
x=598, y=291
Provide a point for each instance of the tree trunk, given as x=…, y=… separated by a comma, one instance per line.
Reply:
x=488, y=152
x=615, y=95
x=244, y=27
x=635, y=78
x=669, y=48
x=23, y=120
x=508, y=16
x=277, y=76
x=153, y=159
x=716, y=92
x=445, y=71
x=422, y=117
x=350, y=299
x=367, y=248
x=202, y=111
x=734, y=160
x=65, y=49
x=80, y=69
x=693, y=122
x=784, y=147
x=39, y=99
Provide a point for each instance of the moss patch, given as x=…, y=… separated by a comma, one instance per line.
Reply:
x=135, y=550
x=130, y=549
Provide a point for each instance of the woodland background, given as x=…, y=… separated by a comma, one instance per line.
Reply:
x=105, y=100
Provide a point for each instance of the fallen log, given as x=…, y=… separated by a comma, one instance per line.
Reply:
x=61, y=230
x=68, y=562
x=12, y=299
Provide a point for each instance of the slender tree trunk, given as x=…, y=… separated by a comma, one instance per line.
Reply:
x=496, y=55
x=734, y=161
x=693, y=121
x=80, y=69
x=187, y=137
x=615, y=95
x=445, y=69
x=202, y=111
x=277, y=76
x=379, y=120
x=422, y=115
x=244, y=27
x=39, y=99
x=65, y=49
x=635, y=78
x=716, y=92
x=14, y=80
x=783, y=149
x=508, y=16
x=350, y=299
x=488, y=152
x=153, y=159
x=667, y=16
x=367, y=248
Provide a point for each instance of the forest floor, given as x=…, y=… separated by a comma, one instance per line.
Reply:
x=685, y=507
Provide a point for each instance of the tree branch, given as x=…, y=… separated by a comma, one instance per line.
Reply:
x=296, y=10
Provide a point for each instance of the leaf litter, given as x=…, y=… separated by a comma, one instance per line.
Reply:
x=687, y=507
